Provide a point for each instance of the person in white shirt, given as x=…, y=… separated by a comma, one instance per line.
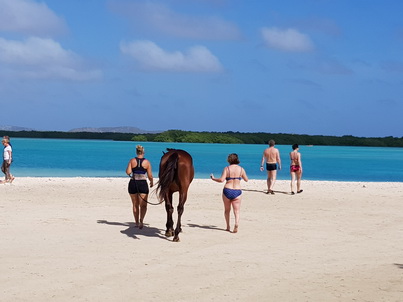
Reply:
x=7, y=159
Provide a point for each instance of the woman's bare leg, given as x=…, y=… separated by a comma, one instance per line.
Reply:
x=135, y=203
x=299, y=176
x=236, y=207
x=227, y=210
x=143, y=208
x=293, y=176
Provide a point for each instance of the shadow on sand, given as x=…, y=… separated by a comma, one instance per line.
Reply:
x=399, y=265
x=266, y=193
x=132, y=230
x=206, y=227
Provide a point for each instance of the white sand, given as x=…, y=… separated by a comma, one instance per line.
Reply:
x=72, y=239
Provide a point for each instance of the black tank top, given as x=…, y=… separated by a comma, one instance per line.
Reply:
x=139, y=169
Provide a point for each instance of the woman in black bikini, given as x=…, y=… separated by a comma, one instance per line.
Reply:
x=139, y=169
x=295, y=168
x=232, y=193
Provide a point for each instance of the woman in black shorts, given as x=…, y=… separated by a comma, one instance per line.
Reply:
x=139, y=169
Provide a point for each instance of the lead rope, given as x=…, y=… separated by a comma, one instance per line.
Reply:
x=154, y=204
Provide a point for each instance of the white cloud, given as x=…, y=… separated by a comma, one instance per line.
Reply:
x=163, y=19
x=33, y=51
x=151, y=57
x=29, y=17
x=42, y=58
x=286, y=39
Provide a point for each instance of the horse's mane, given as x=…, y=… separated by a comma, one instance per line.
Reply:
x=171, y=149
x=167, y=174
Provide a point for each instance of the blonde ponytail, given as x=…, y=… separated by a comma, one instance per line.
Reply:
x=139, y=150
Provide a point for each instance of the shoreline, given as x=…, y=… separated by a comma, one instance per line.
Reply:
x=201, y=179
x=73, y=239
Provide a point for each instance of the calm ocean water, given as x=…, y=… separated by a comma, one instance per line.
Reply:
x=96, y=158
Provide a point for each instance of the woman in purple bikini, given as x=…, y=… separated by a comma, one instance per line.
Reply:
x=232, y=193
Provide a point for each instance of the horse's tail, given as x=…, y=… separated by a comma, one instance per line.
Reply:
x=167, y=175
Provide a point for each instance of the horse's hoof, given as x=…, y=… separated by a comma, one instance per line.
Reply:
x=176, y=239
x=169, y=233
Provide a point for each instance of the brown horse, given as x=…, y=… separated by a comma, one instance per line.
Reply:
x=175, y=175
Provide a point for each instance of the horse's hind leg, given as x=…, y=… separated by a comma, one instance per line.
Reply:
x=169, y=209
x=181, y=208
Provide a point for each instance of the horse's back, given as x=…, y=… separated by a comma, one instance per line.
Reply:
x=185, y=171
x=176, y=165
x=185, y=164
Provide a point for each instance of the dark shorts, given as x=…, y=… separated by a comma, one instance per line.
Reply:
x=231, y=193
x=271, y=167
x=5, y=168
x=138, y=186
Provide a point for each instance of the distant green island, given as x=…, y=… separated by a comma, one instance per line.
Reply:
x=181, y=136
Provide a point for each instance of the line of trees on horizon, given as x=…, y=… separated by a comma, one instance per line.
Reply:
x=263, y=138
x=218, y=138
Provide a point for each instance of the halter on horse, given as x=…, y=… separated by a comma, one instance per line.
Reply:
x=175, y=175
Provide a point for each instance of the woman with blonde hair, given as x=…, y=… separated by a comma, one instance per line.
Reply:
x=232, y=193
x=139, y=169
x=7, y=159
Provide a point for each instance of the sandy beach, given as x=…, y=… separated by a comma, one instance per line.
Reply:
x=73, y=239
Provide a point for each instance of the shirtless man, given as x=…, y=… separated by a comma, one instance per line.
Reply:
x=271, y=156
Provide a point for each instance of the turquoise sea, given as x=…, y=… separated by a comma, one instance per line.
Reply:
x=99, y=158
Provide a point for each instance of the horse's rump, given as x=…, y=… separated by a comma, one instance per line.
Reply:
x=167, y=173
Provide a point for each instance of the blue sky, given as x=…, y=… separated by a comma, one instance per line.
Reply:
x=327, y=67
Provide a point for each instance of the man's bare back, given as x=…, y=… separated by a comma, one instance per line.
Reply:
x=271, y=155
